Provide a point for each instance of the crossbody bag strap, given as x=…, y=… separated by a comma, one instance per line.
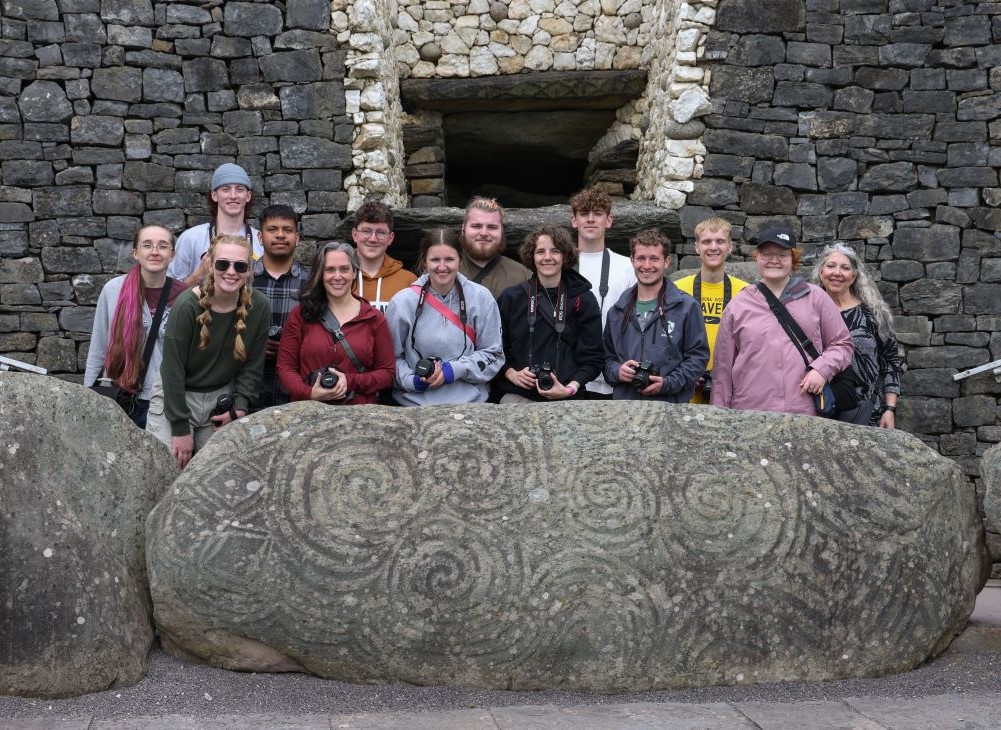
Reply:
x=491, y=265
x=154, y=329
x=334, y=327
x=803, y=343
x=440, y=307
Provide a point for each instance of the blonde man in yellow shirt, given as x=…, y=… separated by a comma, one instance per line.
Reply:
x=712, y=287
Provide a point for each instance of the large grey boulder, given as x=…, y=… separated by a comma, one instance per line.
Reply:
x=77, y=480
x=588, y=546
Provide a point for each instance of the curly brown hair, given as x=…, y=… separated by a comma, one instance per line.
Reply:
x=590, y=199
x=560, y=237
x=651, y=237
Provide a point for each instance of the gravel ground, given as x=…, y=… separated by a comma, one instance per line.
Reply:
x=173, y=686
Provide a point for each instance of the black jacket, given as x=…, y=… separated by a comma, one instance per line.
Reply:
x=576, y=355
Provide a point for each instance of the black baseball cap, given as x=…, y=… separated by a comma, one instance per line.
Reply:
x=779, y=235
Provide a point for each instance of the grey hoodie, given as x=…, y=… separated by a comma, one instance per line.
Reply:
x=472, y=368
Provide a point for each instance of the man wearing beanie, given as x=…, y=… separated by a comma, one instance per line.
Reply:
x=229, y=197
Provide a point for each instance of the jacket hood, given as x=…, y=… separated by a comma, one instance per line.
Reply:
x=389, y=266
x=797, y=288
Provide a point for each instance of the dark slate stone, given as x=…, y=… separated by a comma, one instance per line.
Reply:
x=931, y=296
x=713, y=193
x=309, y=128
x=251, y=19
x=864, y=226
x=762, y=199
x=42, y=31
x=44, y=101
x=800, y=176
x=28, y=173
x=925, y=415
x=67, y=260
x=312, y=101
x=14, y=244
x=972, y=177
x=294, y=66
x=952, y=58
x=927, y=79
x=18, y=294
x=858, y=7
x=906, y=55
x=169, y=32
x=192, y=47
x=72, y=200
x=160, y=84
x=299, y=152
x=117, y=202
x=820, y=227
x=204, y=74
x=933, y=102
x=744, y=143
x=830, y=76
x=936, y=243
x=979, y=108
x=245, y=71
x=943, y=270
x=31, y=9
x=882, y=79
x=836, y=174
x=228, y=47
x=256, y=145
x=308, y=14
x=928, y=198
x=809, y=54
x=243, y=123
x=328, y=179
x=732, y=166
x=826, y=125
x=969, y=30
x=749, y=16
x=974, y=79
x=865, y=29
x=802, y=95
x=890, y=176
x=76, y=319
x=960, y=131
x=756, y=50
x=146, y=176
x=179, y=13
x=81, y=55
x=884, y=204
x=119, y=83
x=127, y=12
x=41, y=322
x=901, y=270
x=896, y=126
x=16, y=213
x=97, y=130
x=987, y=218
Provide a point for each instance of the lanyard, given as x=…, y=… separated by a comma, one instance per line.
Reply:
x=697, y=292
x=436, y=304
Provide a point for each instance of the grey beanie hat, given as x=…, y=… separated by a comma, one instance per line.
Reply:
x=229, y=173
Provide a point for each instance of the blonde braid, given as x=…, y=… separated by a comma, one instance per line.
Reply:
x=239, y=351
x=205, y=302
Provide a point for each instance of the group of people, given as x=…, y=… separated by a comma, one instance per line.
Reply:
x=238, y=324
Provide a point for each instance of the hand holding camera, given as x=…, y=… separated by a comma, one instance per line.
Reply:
x=224, y=411
x=642, y=375
x=328, y=384
x=429, y=370
x=274, y=338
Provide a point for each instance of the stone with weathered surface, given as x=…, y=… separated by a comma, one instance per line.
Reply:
x=563, y=546
x=78, y=481
x=990, y=467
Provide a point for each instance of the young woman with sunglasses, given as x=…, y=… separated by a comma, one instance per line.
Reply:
x=446, y=330
x=214, y=345
x=124, y=316
x=335, y=332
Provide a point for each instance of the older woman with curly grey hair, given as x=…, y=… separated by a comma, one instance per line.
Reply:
x=876, y=364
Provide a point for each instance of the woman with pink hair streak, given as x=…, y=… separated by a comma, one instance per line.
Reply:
x=124, y=316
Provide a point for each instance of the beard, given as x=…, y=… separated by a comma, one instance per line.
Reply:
x=481, y=251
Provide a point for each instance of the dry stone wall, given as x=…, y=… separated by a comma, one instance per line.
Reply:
x=114, y=113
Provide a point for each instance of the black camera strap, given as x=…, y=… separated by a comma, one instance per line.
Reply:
x=334, y=327
x=485, y=271
x=559, y=314
x=442, y=308
x=697, y=291
x=803, y=343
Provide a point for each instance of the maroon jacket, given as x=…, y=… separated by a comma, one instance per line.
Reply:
x=308, y=346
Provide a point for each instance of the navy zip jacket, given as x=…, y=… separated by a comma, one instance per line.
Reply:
x=676, y=345
x=576, y=355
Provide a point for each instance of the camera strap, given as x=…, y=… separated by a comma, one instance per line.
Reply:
x=485, y=271
x=559, y=314
x=697, y=292
x=334, y=327
x=441, y=308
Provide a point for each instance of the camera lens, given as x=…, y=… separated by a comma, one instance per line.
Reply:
x=328, y=379
x=424, y=367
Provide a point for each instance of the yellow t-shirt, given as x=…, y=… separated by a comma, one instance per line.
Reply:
x=712, y=313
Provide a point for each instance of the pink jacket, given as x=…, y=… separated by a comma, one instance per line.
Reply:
x=757, y=367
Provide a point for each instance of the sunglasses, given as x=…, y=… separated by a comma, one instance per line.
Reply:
x=240, y=267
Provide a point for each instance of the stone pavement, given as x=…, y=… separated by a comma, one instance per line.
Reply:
x=946, y=710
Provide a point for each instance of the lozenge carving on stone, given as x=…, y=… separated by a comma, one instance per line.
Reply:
x=588, y=546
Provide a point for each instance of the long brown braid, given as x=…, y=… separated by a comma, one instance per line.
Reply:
x=208, y=291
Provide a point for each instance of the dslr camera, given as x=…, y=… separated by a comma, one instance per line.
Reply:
x=642, y=377
x=327, y=379
x=225, y=404
x=707, y=383
x=544, y=374
x=275, y=332
x=425, y=366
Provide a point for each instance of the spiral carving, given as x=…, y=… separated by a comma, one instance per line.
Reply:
x=587, y=546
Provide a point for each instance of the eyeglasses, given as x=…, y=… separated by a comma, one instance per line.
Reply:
x=240, y=267
x=158, y=247
x=774, y=255
x=372, y=233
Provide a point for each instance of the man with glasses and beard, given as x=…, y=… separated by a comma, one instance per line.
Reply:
x=380, y=276
x=482, y=239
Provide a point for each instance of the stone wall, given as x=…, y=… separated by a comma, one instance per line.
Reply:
x=879, y=125
x=114, y=113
